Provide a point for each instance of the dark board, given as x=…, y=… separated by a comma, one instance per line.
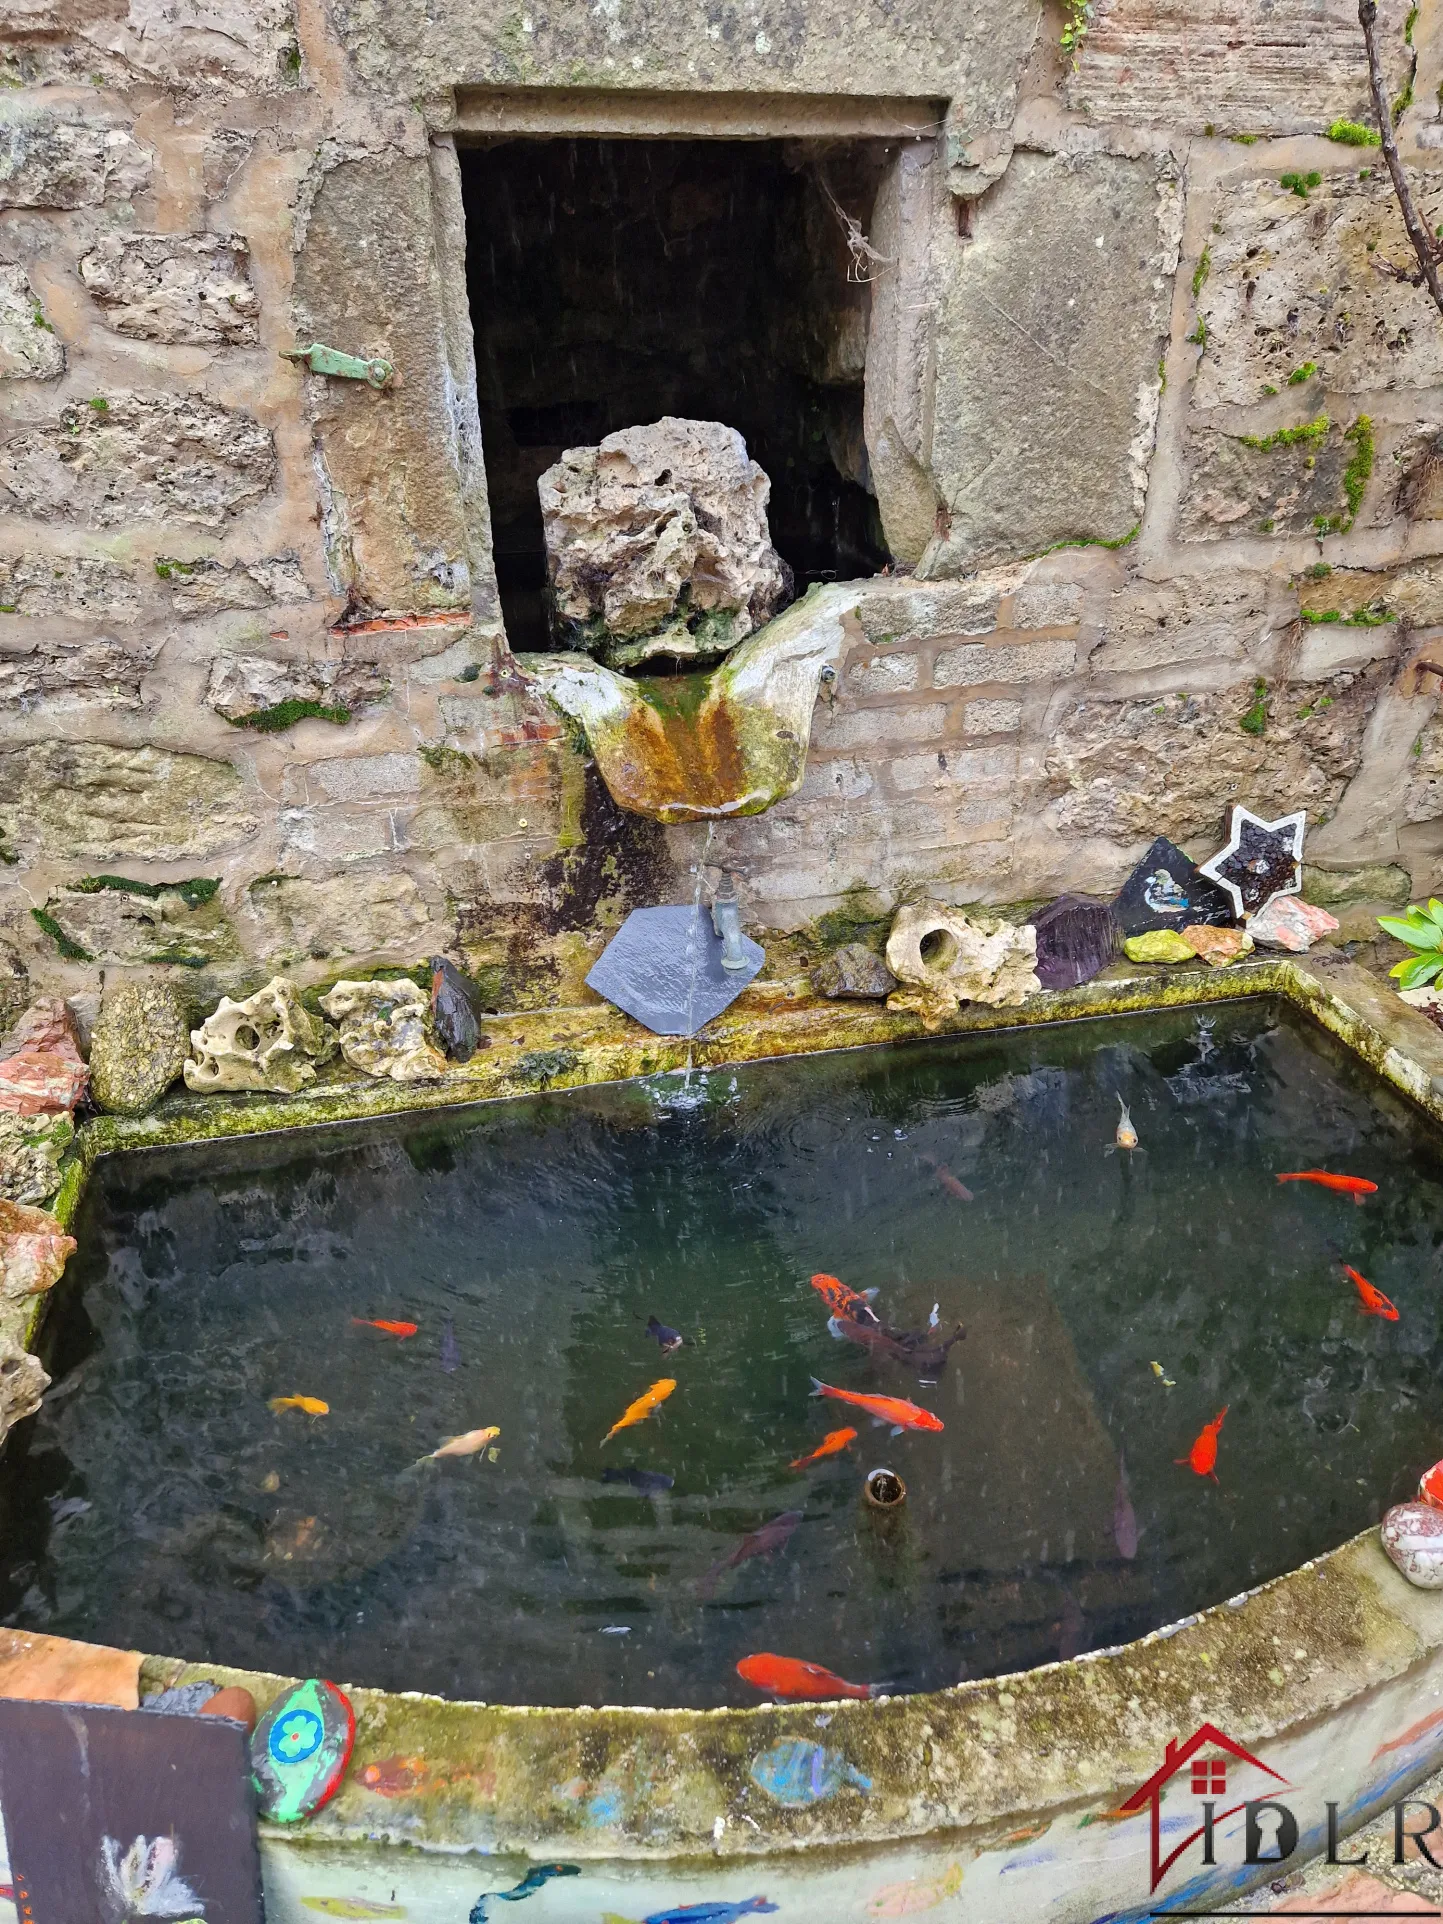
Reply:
x=101, y=1807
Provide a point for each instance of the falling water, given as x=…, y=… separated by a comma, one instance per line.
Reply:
x=694, y=940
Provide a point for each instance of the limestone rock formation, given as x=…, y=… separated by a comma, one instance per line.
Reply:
x=943, y=957
x=853, y=972
x=86, y=799
x=657, y=543
x=42, y=1071
x=242, y=685
x=383, y=1029
x=30, y=1151
x=33, y=1251
x=30, y=349
x=138, y=1046
x=22, y=1383
x=191, y=288
x=269, y=1041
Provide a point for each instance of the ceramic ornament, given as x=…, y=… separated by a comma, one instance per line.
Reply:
x=1165, y=891
x=1261, y=860
x=300, y=1750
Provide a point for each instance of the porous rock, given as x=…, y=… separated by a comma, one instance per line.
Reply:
x=191, y=288
x=1219, y=948
x=30, y=349
x=131, y=929
x=269, y=1041
x=98, y=671
x=42, y=1071
x=853, y=971
x=125, y=458
x=207, y=587
x=30, y=1151
x=33, y=1250
x=943, y=958
x=22, y=1384
x=84, y=799
x=383, y=1029
x=138, y=1047
x=65, y=156
x=657, y=543
x=293, y=916
x=1412, y=1537
x=242, y=685
x=1288, y=922
x=54, y=584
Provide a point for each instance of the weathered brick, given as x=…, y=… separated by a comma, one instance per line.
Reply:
x=992, y=717
x=883, y=674
x=1047, y=604
x=842, y=780
x=1032, y=661
x=972, y=768
x=355, y=778
x=339, y=834
x=868, y=727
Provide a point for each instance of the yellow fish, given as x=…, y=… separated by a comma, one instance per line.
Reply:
x=352, y=1907
x=312, y=1405
x=466, y=1445
x=1126, y=1134
x=642, y=1408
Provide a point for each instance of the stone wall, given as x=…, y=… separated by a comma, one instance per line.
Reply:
x=1157, y=445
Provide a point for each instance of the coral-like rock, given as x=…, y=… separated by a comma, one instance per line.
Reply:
x=42, y=1071
x=269, y=1041
x=33, y=1250
x=138, y=1047
x=30, y=1151
x=657, y=543
x=383, y=1029
x=853, y=971
x=1288, y=922
x=943, y=958
x=1412, y=1536
x=22, y=1383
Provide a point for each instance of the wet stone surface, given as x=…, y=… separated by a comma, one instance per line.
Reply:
x=157, y=1501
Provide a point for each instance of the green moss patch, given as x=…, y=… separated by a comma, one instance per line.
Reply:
x=285, y=714
x=194, y=891
x=71, y=951
x=1352, y=133
x=1255, y=721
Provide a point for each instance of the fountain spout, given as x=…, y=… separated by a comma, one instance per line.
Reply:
x=726, y=919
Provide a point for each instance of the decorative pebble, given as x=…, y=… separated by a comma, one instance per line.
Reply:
x=1159, y=945
x=1218, y=947
x=1288, y=922
x=1412, y=1536
x=138, y=1047
x=300, y=1750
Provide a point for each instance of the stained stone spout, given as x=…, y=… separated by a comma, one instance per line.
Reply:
x=699, y=747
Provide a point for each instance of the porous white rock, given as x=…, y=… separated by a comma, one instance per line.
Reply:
x=657, y=543
x=943, y=958
x=269, y=1041
x=383, y=1029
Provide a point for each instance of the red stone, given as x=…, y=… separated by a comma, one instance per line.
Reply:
x=42, y=1071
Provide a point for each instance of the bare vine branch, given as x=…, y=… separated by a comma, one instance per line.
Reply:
x=1425, y=246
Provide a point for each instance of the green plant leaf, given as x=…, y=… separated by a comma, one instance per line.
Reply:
x=1435, y=911
x=1421, y=934
x=1417, y=970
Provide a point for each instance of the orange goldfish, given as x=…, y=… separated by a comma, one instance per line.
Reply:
x=895, y=1410
x=1430, y=1486
x=1203, y=1455
x=1355, y=1186
x=642, y=1408
x=833, y=1441
x=391, y=1329
x=466, y=1445
x=791, y=1677
x=1374, y=1302
x=312, y=1405
x=842, y=1301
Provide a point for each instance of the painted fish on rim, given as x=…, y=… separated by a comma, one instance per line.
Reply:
x=795, y=1773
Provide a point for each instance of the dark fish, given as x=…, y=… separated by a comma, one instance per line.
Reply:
x=1124, y=1517
x=715, y=1913
x=771, y=1537
x=454, y=1010
x=450, y=1348
x=648, y=1482
x=669, y=1339
x=914, y=1349
x=532, y=1882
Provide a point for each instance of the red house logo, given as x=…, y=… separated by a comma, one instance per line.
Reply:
x=1208, y=1779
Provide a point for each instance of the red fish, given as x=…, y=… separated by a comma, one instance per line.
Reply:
x=1355, y=1186
x=887, y=1409
x=1203, y=1455
x=833, y=1441
x=790, y=1677
x=1430, y=1488
x=391, y=1329
x=1374, y=1302
x=946, y=1180
x=842, y=1301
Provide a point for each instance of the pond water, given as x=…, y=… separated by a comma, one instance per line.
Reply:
x=1113, y=1305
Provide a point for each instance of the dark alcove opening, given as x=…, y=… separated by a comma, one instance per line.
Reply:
x=614, y=281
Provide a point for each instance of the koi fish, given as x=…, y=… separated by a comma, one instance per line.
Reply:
x=886, y=1409
x=842, y=1301
x=771, y=1537
x=1355, y=1186
x=642, y=1408
x=312, y=1405
x=954, y=1187
x=390, y=1329
x=1162, y=1375
x=1203, y=1455
x=1430, y=1486
x=833, y=1441
x=914, y=1349
x=1126, y=1134
x=1374, y=1302
x=646, y=1482
x=466, y=1445
x=667, y=1339
x=791, y=1677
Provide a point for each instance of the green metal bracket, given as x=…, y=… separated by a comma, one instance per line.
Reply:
x=330, y=360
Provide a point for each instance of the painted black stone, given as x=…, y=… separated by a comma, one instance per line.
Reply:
x=454, y=1010
x=663, y=967
x=1076, y=936
x=1261, y=859
x=1166, y=891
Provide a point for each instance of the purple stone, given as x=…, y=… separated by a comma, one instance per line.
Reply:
x=1076, y=937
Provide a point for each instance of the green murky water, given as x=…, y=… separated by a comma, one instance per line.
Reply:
x=157, y=1501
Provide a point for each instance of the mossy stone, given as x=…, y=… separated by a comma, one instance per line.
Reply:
x=140, y=1041
x=1159, y=945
